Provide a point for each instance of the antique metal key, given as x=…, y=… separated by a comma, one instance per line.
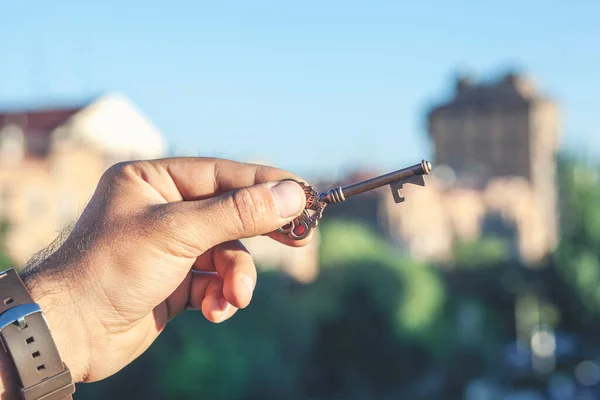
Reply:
x=316, y=201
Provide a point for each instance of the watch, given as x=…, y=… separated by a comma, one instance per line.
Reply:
x=26, y=337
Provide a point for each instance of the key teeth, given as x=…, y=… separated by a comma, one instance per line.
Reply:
x=395, y=187
x=398, y=185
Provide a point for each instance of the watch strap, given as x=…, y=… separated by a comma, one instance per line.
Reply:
x=27, y=338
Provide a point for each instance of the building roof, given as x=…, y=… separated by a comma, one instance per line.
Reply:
x=513, y=91
x=110, y=124
x=37, y=125
x=39, y=120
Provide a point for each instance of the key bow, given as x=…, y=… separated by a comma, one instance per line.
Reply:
x=301, y=226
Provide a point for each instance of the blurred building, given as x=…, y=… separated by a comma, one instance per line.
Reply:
x=497, y=129
x=503, y=129
x=52, y=158
x=494, y=172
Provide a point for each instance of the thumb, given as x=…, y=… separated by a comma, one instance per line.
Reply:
x=247, y=212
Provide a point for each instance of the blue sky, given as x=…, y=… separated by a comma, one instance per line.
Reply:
x=317, y=87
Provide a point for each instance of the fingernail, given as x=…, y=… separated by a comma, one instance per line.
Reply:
x=248, y=282
x=289, y=198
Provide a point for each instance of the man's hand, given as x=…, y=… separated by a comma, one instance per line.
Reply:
x=127, y=267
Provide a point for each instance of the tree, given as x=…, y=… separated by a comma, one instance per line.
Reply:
x=577, y=258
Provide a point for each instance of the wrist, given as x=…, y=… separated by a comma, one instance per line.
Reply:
x=59, y=306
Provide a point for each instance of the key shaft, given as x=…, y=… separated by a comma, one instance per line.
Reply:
x=339, y=194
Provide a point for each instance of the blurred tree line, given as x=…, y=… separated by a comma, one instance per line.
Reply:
x=377, y=325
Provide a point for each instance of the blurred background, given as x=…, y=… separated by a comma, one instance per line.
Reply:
x=484, y=284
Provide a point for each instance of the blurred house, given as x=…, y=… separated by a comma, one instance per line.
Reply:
x=494, y=173
x=51, y=160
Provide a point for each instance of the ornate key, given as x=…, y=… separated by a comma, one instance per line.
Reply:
x=316, y=201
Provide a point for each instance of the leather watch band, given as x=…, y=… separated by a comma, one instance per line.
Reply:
x=26, y=336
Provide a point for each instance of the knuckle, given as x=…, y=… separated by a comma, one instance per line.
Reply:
x=121, y=170
x=248, y=210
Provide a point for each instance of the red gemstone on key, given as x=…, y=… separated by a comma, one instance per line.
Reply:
x=299, y=230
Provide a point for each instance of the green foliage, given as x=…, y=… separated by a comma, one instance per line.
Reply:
x=257, y=354
x=578, y=256
x=417, y=305
x=5, y=261
x=483, y=253
x=424, y=295
x=344, y=241
x=580, y=197
x=581, y=269
x=358, y=352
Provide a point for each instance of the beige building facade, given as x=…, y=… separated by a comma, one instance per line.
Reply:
x=495, y=156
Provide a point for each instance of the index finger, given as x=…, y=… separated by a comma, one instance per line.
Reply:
x=199, y=178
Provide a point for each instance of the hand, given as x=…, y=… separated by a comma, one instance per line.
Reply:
x=127, y=267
